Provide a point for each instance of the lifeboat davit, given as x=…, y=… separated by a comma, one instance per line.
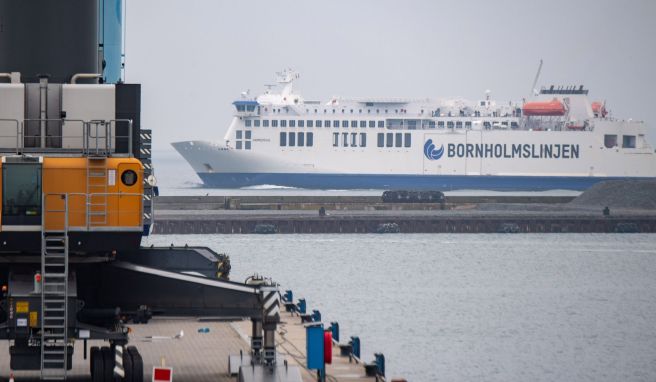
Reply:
x=553, y=108
x=599, y=109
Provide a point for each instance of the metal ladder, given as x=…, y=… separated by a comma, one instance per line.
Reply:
x=97, y=190
x=54, y=297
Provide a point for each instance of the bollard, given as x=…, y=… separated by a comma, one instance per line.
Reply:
x=301, y=305
x=355, y=344
x=334, y=327
x=380, y=363
x=289, y=296
x=316, y=316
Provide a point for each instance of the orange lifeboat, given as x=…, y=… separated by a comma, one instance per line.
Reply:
x=553, y=108
x=599, y=109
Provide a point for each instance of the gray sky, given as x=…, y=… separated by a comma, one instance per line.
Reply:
x=195, y=57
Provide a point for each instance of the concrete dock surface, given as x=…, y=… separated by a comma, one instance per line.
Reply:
x=202, y=357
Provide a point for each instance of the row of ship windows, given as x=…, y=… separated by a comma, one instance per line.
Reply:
x=360, y=140
x=434, y=113
x=381, y=124
x=326, y=111
x=296, y=139
x=311, y=123
x=306, y=139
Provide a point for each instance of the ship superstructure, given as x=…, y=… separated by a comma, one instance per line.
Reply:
x=557, y=139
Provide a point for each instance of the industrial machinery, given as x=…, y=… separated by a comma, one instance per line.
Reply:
x=76, y=189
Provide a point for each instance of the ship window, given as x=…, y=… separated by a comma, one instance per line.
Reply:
x=317, y=123
x=283, y=139
x=431, y=124
x=238, y=145
x=247, y=134
x=344, y=123
x=309, y=123
x=468, y=125
x=390, y=140
x=449, y=124
x=238, y=134
x=628, y=141
x=301, y=139
x=610, y=141
x=372, y=123
x=274, y=123
x=381, y=139
x=247, y=145
x=129, y=178
x=345, y=139
x=21, y=193
x=354, y=137
x=363, y=123
x=301, y=123
x=265, y=123
x=440, y=124
x=354, y=123
x=292, y=123
x=326, y=123
x=381, y=123
x=310, y=140
x=247, y=123
x=514, y=125
x=256, y=123
x=487, y=125
x=398, y=142
x=335, y=124
x=363, y=139
x=291, y=140
x=408, y=140
x=335, y=139
x=283, y=123
x=459, y=125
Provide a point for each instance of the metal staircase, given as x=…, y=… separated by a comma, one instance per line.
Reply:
x=54, y=297
x=97, y=191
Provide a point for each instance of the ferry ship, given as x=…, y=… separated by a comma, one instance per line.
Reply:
x=556, y=139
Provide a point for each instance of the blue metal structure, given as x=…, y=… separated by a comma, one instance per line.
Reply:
x=314, y=346
x=334, y=327
x=111, y=38
x=355, y=346
x=302, y=306
x=380, y=363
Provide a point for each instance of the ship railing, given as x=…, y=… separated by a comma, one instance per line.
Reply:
x=112, y=211
x=70, y=136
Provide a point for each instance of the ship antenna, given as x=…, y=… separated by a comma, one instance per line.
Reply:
x=534, y=90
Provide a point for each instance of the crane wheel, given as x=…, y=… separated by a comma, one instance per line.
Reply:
x=137, y=364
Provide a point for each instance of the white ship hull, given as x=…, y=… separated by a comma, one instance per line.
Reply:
x=496, y=160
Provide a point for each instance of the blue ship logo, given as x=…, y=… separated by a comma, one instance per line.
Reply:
x=431, y=152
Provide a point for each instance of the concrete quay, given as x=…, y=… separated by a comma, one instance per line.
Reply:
x=422, y=221
x=203, y=357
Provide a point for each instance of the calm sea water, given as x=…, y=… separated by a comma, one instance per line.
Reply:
x=462, y=307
